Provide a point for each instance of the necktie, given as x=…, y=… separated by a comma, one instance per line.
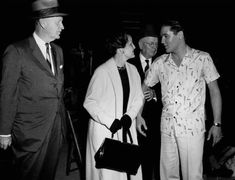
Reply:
x=147, y=66
x=48, y=57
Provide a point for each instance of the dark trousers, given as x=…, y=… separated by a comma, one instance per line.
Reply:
x=41, y=165
x=150, y=156
x=151, y=144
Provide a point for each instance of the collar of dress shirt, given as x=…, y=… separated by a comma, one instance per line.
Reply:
x=40, y=43
x=142, y=59
x=143, y=62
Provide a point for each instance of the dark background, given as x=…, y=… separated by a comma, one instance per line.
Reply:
x=209, y=24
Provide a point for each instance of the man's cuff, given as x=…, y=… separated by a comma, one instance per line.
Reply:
x=8, y=135
x=154, y=96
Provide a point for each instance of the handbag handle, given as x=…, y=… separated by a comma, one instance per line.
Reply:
x=128, y=132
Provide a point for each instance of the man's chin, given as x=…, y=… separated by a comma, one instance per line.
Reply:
x=58, y=36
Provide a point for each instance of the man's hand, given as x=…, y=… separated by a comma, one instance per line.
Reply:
x=141, y=125
x=216, y=133
x=149, y=94
x=5, y=142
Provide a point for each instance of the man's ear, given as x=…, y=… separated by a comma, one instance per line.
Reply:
x=180, y=34
x=120, y=50
x=41, y=22
x=140, y=44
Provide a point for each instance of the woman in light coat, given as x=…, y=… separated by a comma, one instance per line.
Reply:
x=108, y=100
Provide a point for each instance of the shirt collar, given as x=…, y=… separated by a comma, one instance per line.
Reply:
x=41, y=44
x=38, y=40
x=189, y=53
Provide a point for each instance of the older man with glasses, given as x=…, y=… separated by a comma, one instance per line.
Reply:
x=149, y=116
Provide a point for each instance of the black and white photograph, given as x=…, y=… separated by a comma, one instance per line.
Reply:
x=117, y=90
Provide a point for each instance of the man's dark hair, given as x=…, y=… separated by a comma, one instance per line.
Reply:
x=175, y=26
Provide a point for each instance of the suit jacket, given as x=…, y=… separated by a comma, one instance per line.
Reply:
x=137, y=63
x=31, y=96
x=104, y=102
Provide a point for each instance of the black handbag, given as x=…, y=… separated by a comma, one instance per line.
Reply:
x=118, y=156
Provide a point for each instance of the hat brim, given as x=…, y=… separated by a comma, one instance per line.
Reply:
x=50, y=15
x=47, y=13
x=152, y=36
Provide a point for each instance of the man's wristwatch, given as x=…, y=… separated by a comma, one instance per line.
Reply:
x=217, y=124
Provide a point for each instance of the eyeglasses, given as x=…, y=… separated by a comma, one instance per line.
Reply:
x=152, y=44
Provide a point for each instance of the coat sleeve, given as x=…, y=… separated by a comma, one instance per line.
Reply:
x=137, y=97
x=8, y=89
x=97, y=99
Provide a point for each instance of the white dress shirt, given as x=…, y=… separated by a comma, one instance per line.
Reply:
x=143, y=62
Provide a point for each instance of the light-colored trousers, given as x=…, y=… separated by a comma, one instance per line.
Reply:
x=181, y=153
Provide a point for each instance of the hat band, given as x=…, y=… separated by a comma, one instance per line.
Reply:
x=46, y=12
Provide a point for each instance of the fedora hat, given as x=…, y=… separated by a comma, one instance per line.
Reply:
x=46, y=9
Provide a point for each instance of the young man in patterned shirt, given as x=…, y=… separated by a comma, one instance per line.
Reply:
x=183, y=73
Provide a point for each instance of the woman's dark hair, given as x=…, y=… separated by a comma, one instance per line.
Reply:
x=175, y=26
x=115, y=41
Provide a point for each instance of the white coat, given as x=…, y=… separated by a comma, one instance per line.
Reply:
x=104, y=102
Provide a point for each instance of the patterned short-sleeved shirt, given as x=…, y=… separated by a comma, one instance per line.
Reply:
x=183, y=90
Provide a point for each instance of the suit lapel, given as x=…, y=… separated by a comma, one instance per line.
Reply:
x=137, y=63
x=140, y=69
x=117, y=85
x=38, y=56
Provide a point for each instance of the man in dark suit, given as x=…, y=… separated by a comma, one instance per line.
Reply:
x=149, y=116
x=31, y=99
